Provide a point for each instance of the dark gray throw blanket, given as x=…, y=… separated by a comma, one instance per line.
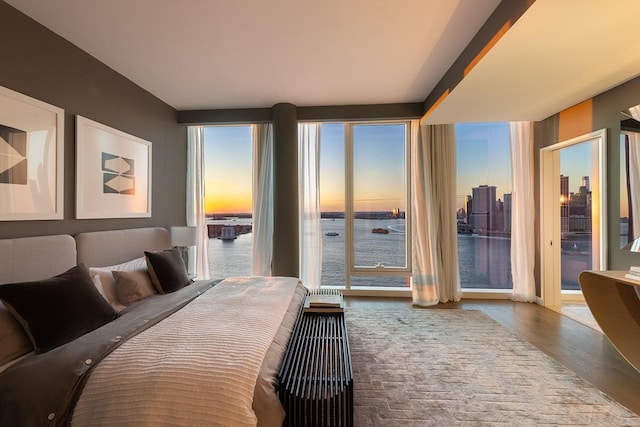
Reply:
x=42, y=389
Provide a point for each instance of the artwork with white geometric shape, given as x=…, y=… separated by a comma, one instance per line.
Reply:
x=13, y=156
x=118, y=174
x=113, y=171
x=31, y=159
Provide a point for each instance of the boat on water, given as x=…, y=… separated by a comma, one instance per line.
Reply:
x=331, y=233
x=228, y=233
x=380, y=231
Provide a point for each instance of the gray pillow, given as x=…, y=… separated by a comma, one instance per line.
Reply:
x=132, y=286
x=167, y=270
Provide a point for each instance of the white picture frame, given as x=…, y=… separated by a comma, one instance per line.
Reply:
x=31, y=158
x=113, y=172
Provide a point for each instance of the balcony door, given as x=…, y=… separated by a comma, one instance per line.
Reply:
x=573, y=225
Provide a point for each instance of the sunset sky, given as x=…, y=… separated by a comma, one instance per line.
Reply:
x=482, y=158
x=379, y=182
x=228, y=165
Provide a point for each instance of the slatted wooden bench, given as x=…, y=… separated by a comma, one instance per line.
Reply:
x=316, y=380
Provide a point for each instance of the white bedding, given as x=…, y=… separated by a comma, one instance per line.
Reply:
x=197, y=367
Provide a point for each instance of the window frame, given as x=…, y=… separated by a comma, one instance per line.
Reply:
x=252, y=131
x=350, y=268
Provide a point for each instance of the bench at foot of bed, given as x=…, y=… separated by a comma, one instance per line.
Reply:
x=316, y=380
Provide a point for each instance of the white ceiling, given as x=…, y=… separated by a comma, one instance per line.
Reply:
x=201, y=54
x=559, y=53
x=206, y=54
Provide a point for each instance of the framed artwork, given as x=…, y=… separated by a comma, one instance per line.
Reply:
x=113, y=172
x=31, y=158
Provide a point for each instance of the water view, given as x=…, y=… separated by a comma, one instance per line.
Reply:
x=484, y=261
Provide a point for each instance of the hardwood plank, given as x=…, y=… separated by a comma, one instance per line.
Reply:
x=581, y=349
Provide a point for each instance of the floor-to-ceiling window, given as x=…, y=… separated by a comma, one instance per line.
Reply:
x=483, y=204
x=332, y=203
x=364, y=195
x=365, y=234
x=228, y=190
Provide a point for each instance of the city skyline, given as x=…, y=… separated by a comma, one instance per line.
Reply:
x=482, y=151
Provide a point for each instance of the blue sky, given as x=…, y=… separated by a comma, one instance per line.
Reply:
x=575, y=162
x=482, y=158
x=379, y=182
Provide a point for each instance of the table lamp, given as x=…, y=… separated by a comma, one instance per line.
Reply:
x=182, y=238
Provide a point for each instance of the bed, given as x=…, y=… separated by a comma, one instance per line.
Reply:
x=202, y=353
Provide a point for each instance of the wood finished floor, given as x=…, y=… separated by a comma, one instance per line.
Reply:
x=581, y=349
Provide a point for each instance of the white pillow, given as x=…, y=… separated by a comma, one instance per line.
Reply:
x=98, y=284
x=108, y=283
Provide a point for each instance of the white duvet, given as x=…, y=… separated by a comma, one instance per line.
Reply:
x=197, y=367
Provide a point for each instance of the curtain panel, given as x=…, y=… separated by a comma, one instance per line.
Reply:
x=633, y=174
x=436, y=276
x=196, y=216
x=309, y=204
x=522, y=213
x=262, y=242
x=634, y=180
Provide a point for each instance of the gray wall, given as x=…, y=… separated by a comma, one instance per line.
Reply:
x=38, y=63
x=600, y=112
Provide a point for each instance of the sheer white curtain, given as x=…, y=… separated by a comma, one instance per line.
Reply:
x=634, y=178
x=522, y=212
x=195, y=199
x=262, y=243
x=436, y=274
x=309, y=202
x=634, y=173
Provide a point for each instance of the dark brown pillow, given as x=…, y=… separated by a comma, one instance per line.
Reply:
x=14, y=341
x=57, y=310
x=167, y=270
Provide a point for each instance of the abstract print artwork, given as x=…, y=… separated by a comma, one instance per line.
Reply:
x=118, y=175
x=13, y=156
x=113, y=172
x=31, y=158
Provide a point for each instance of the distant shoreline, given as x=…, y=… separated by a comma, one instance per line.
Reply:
x=323, y=215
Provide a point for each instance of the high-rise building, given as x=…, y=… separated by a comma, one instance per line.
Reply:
x=507, y=212
x=564, y=203
x=483, y=213
x=584, y=188
x=564, y=187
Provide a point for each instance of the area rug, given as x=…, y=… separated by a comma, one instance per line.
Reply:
x=451, y=367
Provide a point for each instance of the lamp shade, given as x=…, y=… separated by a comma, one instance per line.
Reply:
x=183, y=236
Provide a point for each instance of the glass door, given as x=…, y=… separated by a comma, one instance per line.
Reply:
x=573, y=222
x=576, y=213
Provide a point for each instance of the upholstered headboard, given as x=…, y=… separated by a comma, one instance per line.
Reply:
x=104, y=248
x=35, y=258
